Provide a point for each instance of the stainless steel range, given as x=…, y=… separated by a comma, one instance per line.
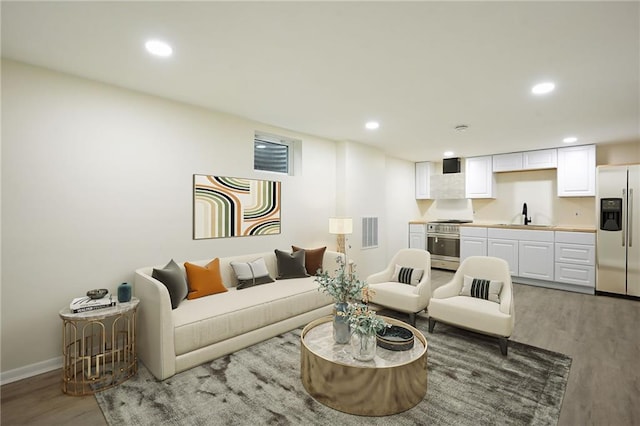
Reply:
x=443, y=242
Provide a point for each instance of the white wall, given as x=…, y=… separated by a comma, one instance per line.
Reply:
x=97, y=181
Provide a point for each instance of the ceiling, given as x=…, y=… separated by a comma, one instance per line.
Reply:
x=325, y=68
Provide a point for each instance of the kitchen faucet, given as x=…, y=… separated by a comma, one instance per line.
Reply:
x=527, y=220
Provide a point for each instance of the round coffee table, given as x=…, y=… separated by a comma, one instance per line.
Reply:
x=392, y=382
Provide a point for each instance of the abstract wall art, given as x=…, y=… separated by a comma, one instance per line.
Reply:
x=234, y=207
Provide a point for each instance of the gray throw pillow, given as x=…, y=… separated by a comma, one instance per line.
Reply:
x=481, y=288
x=290, y=265
x=251, y=273
x=173, y=278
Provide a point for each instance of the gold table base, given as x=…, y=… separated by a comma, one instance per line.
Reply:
x=364, y=390
x=98, y=348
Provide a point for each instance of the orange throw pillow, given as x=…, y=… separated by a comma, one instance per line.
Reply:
x=204, y=281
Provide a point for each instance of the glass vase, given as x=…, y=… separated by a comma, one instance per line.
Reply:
x=341, y=328
x=363, y=346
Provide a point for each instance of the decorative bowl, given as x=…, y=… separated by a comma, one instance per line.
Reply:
x=395, y=338
x=97, y=293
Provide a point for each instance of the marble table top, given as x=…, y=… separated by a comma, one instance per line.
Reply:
x=319, y=340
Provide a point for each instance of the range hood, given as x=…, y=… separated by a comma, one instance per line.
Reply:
x=451, y=165
x=450, y=184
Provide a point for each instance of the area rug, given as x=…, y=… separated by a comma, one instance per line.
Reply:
x=469, y=383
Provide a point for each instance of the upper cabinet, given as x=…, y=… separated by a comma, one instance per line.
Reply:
x=507, y=162
x=540, y=159
x=528, y=160
x=577, y=171
x=423, y=177
x=479, y=179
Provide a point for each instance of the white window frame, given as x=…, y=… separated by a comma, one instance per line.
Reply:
x=279, y=140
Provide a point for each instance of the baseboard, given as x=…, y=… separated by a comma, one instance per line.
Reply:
x=30, y=370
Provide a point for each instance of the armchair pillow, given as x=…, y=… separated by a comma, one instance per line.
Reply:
x=406, y=275
x=481, y=288
x=251, y=273
x=312, y=259
x=204, y=281
x=290, y=265
x=173, y=278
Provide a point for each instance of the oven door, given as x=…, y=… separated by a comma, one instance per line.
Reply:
x=444, y=246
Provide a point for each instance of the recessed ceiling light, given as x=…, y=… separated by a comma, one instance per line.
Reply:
x=569, y=139
x=543, y=88
x=372, y=125
x=261, y=146
x=448, y=153
x=158, y=48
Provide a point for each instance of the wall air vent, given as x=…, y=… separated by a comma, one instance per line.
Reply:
x=451, y=165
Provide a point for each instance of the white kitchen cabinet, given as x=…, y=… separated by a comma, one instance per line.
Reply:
x=527, y=160
x=473, y=242
x=507, y=162
x=540, y=159
x=418, y=236
x=423, y=176
x=577, y=171
x=504, y=249
x=479, y=179
x=575, y=258
x=536, y=259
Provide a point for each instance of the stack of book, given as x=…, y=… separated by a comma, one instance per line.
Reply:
x=84, y=304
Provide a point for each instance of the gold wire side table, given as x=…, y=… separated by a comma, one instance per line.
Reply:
x=98, y=348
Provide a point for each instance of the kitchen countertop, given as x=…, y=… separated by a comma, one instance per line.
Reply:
x=566, y=228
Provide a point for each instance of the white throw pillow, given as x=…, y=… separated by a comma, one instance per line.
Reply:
x=251, y=273
x=481, y=288
x=407, y=275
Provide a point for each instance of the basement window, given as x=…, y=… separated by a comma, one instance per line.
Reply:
x=273, y=153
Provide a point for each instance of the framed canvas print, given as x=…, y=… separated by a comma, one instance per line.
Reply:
x=234, y=207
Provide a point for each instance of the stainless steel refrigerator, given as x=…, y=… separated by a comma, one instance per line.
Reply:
x=618, y=231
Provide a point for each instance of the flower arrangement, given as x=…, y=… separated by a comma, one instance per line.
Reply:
x=363, y=320
x=344, y=286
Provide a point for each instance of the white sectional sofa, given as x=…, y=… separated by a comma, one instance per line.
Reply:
x=173, y=340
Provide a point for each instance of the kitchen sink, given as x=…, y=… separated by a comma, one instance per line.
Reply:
x=529, y=226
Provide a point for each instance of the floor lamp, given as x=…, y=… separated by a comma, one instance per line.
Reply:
x=341, y=226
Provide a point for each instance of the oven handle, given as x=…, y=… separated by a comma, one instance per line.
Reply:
x=448, y=236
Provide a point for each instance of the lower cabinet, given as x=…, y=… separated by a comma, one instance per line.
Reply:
x=575, y=258
x=536, y=260
x=555, y=259
x=417, y=236
x=472, y=246
x=473, y=242
x=507, y=250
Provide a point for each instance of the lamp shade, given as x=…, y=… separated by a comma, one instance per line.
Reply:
x=340, y=225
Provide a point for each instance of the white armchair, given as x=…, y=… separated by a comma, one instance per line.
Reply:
x=408, y=298
x=495, y=317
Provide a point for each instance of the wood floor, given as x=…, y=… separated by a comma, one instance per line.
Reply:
x=601, y=334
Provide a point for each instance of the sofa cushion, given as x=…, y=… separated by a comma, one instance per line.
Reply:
x=313, y=259
x=481, y=288
x=290, y=265
x=208, y=320
x=407, y=275
x=397, y=296
x=173, y=278
x=251, y=273
x=204, y=281
x=472, y=313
